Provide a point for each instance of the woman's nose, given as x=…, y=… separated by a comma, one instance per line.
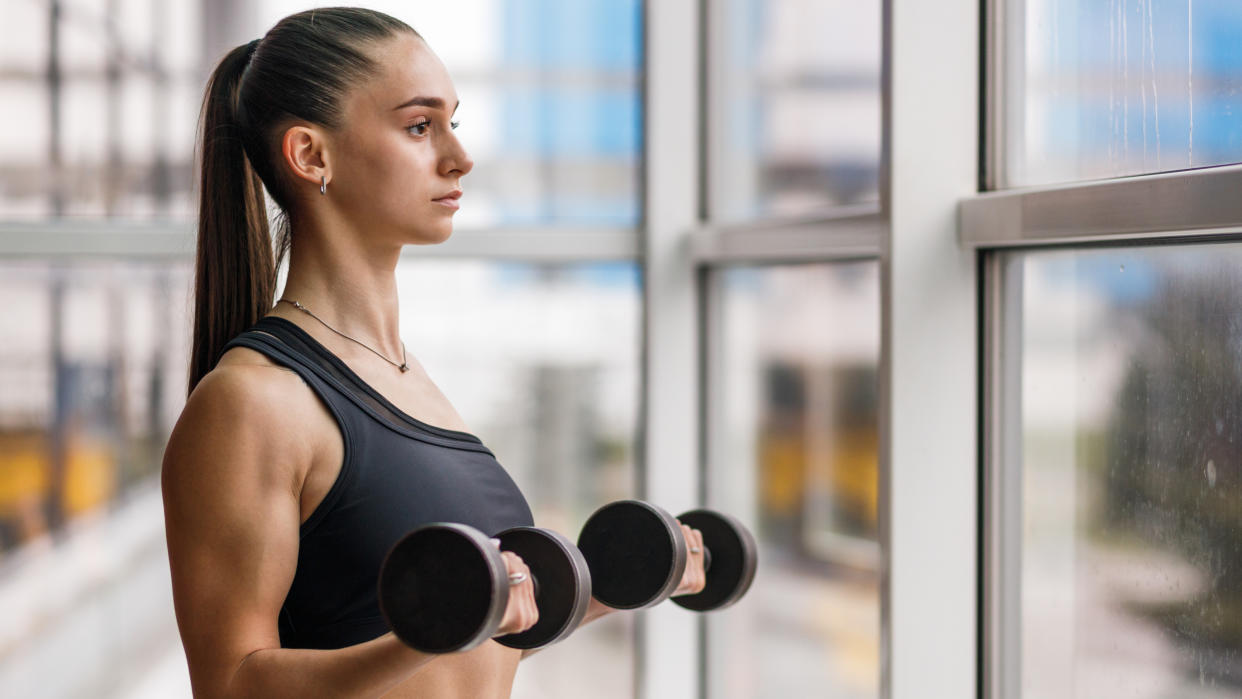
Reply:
x=457, y=159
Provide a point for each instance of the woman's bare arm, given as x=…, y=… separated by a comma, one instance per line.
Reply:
x=231, y=484
x=692, y=582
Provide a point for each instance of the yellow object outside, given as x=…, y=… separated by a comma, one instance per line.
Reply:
x=25, y=474
x=90, y=476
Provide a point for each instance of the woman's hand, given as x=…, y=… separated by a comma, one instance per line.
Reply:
x=695, y=577
x=521, y=612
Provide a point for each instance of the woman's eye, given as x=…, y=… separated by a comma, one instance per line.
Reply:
x=421, y=127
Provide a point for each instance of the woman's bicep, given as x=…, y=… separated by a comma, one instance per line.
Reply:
x=231, y=516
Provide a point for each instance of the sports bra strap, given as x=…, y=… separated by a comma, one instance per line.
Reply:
x=272, y=339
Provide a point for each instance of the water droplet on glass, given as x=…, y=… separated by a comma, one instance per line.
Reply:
x=1211, y=473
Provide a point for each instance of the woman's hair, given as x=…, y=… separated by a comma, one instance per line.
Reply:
x=301, y=70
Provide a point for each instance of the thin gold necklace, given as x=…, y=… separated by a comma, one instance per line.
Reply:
x=403, y=366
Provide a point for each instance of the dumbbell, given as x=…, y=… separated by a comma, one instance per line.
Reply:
x=444, y=587
x=636, y=552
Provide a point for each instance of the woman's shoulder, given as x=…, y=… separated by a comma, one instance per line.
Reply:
x=242, y=428
x=246, y=399
x=245, y=377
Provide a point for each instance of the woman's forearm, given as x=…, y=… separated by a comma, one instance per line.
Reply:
x=364, y=670
x=595, y=610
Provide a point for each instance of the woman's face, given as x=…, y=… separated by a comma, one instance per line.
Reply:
x=396, y=158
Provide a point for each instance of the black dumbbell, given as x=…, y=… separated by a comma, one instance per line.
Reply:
x=637, y=555
x=444, y=587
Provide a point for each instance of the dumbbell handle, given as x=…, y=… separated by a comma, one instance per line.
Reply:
x=707, y=559
x=534, y=581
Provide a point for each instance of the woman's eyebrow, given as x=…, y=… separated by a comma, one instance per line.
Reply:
x=434, y=102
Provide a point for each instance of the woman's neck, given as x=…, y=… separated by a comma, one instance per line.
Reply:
x=352, y=289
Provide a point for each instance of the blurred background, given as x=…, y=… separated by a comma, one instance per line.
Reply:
x=1119, y=431
x=100, y=100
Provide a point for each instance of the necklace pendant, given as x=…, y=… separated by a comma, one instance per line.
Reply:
x=404, y=368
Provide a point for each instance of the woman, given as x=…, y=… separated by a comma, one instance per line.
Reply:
x=310, y=441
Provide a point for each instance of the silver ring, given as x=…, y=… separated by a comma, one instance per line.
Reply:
x=695, y=549
x=517, y=578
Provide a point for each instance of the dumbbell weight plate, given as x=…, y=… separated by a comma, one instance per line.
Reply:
x=636, y=553
x=444, y=588
x=734, y=560
x=563, y=589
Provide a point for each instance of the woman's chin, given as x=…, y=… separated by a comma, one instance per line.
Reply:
x=434, y=236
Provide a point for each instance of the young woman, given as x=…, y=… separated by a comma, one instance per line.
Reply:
x=311, y=442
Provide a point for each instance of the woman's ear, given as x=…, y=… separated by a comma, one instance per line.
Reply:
x=304, y=151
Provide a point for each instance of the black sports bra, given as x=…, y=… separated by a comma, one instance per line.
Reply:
x=398, y=473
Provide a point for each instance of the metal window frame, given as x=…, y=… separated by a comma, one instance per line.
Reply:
x=848, y=233
x=670, y=646
x=1191, y=205
x=62, y=239
x=992, y=67
x=1000, y=569
x=175, y=240
x=930, y=393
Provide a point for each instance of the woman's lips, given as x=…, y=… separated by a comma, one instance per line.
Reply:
x=450, y=199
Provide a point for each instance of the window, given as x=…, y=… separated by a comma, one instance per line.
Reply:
x=102, y=126
x=790, y=246
x=1108, y=368
x=794, y=107
x=793, y=446
x=92, y=375
x=1126, y=376
x=1123, y=87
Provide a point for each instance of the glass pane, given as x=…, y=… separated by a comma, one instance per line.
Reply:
x=550, y=106
x=1123, y=87
x=1131, y=440
x=794, y=108
x=541, y=362
x=793, y=451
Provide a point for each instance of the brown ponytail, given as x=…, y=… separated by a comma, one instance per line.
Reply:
x=301, y=69
x=235, y=280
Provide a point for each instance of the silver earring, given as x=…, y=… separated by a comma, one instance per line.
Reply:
x=323, y=185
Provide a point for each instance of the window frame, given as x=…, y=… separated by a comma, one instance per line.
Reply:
x=107, y=238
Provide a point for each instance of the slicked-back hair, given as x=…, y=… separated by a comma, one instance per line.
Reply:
x=301, y=70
